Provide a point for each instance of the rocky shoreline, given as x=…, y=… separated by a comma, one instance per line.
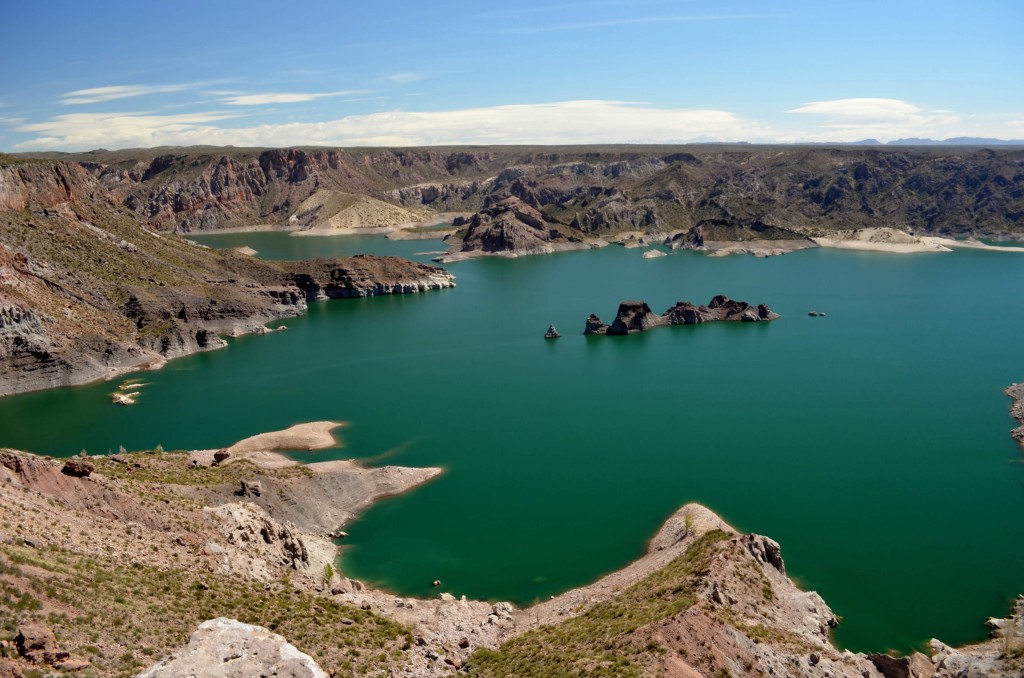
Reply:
x=87, y=292
x=273, y=525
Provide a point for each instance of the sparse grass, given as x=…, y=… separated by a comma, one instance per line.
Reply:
x=173, y=468
x=599, y=642
x=125, y=617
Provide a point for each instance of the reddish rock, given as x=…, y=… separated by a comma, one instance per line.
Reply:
x=9, y=669
x=77, y=468
x=36, y=642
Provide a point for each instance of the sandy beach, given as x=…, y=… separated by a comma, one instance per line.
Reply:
x=883, y=239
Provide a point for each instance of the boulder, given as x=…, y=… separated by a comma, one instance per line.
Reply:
x=766, y=551
x=77, y=468
x=250, y=488
x=36, y=643
x=221, y=455
x=225, y=648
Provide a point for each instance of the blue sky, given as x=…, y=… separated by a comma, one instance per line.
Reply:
x=84, y=75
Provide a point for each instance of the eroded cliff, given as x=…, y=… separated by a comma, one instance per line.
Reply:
x=686, y=196
x=87, y=292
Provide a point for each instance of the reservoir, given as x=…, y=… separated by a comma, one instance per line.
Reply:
x=871, y=443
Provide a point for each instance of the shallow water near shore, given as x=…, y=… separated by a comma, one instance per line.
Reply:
x=871, y=443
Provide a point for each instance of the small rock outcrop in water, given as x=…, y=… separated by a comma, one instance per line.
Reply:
x=1016, y=391
x=227, y=648
x=637, y=316
x=552, y=333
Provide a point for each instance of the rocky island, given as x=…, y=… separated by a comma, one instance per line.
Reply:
x=637, y=316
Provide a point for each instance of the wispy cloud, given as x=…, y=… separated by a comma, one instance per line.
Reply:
x=626, y=21
x=283, y=97
x=405, y=77
x=116, y=130
x=11, y=121
x=96, y=95
x=565, y=122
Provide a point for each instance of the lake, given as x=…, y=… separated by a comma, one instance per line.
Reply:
x=871, y=443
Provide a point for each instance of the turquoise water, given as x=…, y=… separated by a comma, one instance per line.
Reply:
x=872, y=443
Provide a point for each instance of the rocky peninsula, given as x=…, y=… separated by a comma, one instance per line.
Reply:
x=637, y=316
x=87, y=292
x=235, y=543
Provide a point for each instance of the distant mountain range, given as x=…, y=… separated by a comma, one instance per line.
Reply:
x=955, y=141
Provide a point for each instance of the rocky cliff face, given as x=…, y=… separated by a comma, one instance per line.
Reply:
x=637, y=316
x=712, y=193
x=216, y=188
x=364, y=276
x=509, y=226
x=86, y=292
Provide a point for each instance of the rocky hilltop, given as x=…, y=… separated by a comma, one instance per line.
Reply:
x=87, y=292
x=637, y=316
x=683, y=196
x=156, y=544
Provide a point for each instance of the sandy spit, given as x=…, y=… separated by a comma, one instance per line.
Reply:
x=261, y=449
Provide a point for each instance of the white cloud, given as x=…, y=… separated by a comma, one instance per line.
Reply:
x=882, y=119
x=95, y=95
x=116, y=130
x=566, y=122
x=563, y=122
x=282, y=97
x=11, y=121
x=860, y=108
x=402, y=78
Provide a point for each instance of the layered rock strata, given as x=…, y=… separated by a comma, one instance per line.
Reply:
x=690, y=197
x=637, y=316
x=86, y=292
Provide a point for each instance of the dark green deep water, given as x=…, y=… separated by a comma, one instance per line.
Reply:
x=872, y=444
